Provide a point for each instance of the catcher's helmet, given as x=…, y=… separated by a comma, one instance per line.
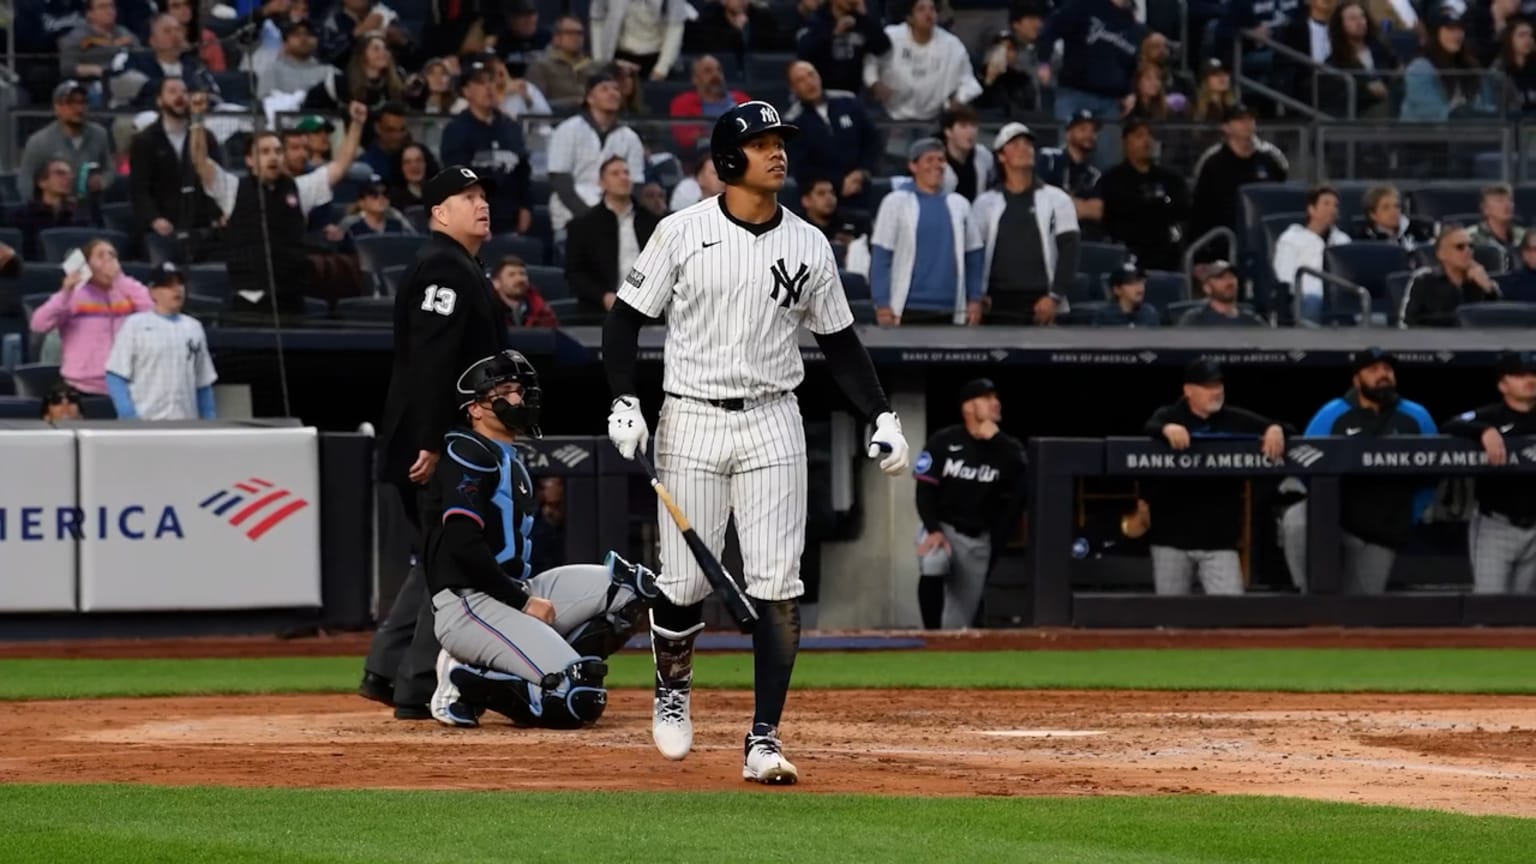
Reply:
x=483, y=376
x=734, y=127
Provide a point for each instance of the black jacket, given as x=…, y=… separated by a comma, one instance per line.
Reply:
x=592, y=253
x=1200, y=512
x=974, y=484
x=445, y=320
x=1219, y=175
x=1511, y=497
x=1378, y=510
x=839, y=57
x=1431, y=299
x=163, y=185
x=1146, y=212
x=484, y=490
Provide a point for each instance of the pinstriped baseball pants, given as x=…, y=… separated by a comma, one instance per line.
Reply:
x=749, y=463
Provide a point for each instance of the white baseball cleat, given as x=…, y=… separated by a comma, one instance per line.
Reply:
x=671, y=727
x=765, y=762
x=445, y=705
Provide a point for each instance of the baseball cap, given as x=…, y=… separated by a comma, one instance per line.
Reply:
x=291, y=27
x=451, y=181
x=1127, y=273
x=922, y=147
x=975, y=388
x=1237, y=112
x=374, y=186
x=68, y=88
x=1083, y=115
x=1028, y=9
x=604, y=77
x=1370, y=357
x=1217, y=268
x=315, y=123
x=1213, y=66
x=473, y=65
x=1202, y=372
x=165, y=275
x=1517, y=363
x=1009, y=132
x=1449, y=15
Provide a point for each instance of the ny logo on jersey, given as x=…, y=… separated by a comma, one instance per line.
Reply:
x=793, y=286
x=194, y=348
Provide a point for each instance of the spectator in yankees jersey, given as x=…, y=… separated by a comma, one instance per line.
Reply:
x=1071, y=167
x=925, y=249
x=159, y=367
x=491, y=143
x=1030, y=234
x=837, y=139
x=1096, y=73
x=927, y=69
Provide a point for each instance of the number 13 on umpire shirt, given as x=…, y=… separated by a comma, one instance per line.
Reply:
x=735, y=295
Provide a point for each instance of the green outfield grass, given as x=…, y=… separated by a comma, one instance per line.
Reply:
x=1452, y=670
x=151, y=824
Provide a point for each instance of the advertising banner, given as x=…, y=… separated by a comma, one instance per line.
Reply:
x=38, y=521
x=199, y=519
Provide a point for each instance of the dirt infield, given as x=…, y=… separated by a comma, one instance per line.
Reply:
x=346, y=644
x=1474, y=754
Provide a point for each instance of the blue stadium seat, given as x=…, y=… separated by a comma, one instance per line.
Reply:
x=9, y=192
x=1438, y=202
x=20, y=408
x=205, y=309
x=94, y=407
x=1493, y=258
x=768, y=68
x=1275, y=224
x=366, y=309
x=12, y=237
x=550, y=281
x=7, y=385
x=119, y=217
x=530, y=249
x=140, y=270
x=316, y=308
x=1367, y=264
x=377, y=251
x=1525, y=204
x=542, y=227
x=209, y=280
x=162, y=249
x=538, y=190
x=1262, y=199
x=1462, y=220
x=419, y=219
x=563, y=308
x=863, y=311
x=56, y=242
x=1516, y=287
x=1351, y=199
x=856, y=287
x=1081, y=314
x=35, y=379
x=1085, y=288
x=1397, y=287
x=1164, y=288
x=390, y=278
x=659, y=95
x=1097, y=261
x=234, y=86
x=1497, y=315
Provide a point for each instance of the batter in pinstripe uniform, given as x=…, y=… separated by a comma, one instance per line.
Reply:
x=736, y=276
x=1502, y=533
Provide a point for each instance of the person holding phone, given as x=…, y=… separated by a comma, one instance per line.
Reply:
x=89, y=308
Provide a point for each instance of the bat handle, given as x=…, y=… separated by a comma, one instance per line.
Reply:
x=878, y=449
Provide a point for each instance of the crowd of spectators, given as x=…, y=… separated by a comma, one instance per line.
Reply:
x=916, y=210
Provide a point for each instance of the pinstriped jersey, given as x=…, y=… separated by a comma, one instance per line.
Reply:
x=735, y=297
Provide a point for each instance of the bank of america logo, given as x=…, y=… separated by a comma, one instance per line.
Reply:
x=253, y=505
x=571, y=455
x=1305, y=455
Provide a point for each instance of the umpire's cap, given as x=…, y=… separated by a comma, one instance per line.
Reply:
x=738, y=125
x=451, y=181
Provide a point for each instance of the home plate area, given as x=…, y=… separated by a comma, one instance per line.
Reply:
x=1473, y=754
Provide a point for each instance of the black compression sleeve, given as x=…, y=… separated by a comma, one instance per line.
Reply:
x=621, y=346
x=854, y=371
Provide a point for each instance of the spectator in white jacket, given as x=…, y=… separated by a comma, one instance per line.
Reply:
x=925, y=251
x=1302, y=246
x=647, y=33
x=926, y=70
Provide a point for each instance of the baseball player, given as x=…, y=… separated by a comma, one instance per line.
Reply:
x=736, y=276
x=159, y=367
x=446, y=317
x=1502, y=533
x=529, y=648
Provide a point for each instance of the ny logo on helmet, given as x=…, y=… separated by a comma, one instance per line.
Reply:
x=770, y=115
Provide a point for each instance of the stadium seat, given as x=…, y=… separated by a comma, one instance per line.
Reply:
x=39, y=279
x=13, y=238
x=93, y=407
x=542, y=226
x=1463, y=220
x=768, y=68
x=1081, y=314
x=863, y=311
x=56, y=242
x=9, y=192
x=119, y=217
x=564, y=308
x=856, y=287
x=1367, y=264
x=1097, y=261
x=1493, y=258
x=1525, y=204
x=659, y=95
x=366, y=309
x=1276, y=224
x=1397, y=287
x=7, y=385
x=390, y=278
x=140, y=270
x=1262, y=199
x=316, y=308
x=1351, y=198
x=35, y=379
x=205, y=309
x=530, y=249
x=20, y=408
x=1497, y=315
x=377, y=251
x=162, y=249
x=1164, y=288
x=1085, y=288
x=840, y=253
x=1516, y=287
x=209, y=280
x=1438, y=202
x=418, y=217
x=549, y=280
x=234, y=86
x=538, y=190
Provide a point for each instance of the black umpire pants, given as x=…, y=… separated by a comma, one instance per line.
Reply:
x=404, y=648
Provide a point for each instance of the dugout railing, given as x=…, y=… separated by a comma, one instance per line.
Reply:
x=1059, y=463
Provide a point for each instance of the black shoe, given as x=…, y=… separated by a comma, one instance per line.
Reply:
x=377, y=688
x=413, y=712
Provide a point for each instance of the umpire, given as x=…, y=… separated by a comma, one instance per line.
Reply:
x=969, y=494
x=445, y=321
x=1502, y=533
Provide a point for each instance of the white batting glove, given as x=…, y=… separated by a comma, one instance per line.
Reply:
x=626, y=426
x=887, y=440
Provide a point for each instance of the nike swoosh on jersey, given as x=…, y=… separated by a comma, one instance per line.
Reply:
x=716, y=243
x=1352, y=430
x=1506, y=427
x=956, y=448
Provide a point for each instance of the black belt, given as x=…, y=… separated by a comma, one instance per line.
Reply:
x=726, y=404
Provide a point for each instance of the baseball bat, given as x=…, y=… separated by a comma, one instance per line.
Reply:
x=736, y=600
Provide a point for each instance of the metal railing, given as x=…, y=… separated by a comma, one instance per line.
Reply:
x=1331, y=280
x=1295, y=58
x=1201, y=243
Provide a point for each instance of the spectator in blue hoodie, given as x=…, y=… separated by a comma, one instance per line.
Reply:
x=840, y=36
x=491, y=143
x=1100, y=41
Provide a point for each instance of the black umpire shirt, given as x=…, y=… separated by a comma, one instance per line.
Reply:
x=1512, y=498
x=1200, y=512
x=445, y=320
x=974, y=484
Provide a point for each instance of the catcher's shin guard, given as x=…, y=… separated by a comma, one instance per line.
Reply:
x=509, y=695
x=583, y=698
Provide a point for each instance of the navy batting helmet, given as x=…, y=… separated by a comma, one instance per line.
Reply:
x=481, y=379
x=734, y=127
